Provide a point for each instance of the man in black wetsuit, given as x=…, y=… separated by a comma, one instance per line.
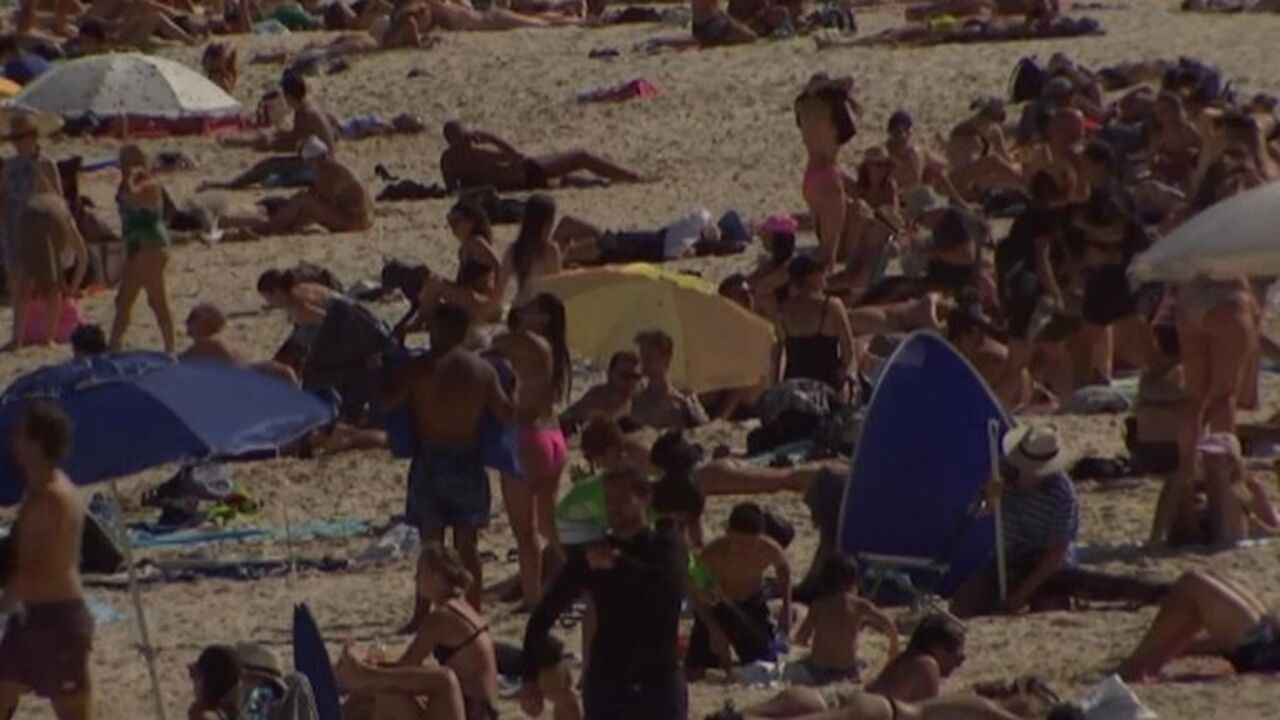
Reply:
x=636, y=579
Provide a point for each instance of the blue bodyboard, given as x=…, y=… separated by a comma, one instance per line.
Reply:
x=311, y=659
x=922, y=463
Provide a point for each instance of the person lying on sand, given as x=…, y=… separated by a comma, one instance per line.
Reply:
x=336, y=201
x=710, y=27
x=460, y=16
x=221, y=65
x=475, y=158
x=858, y=704
x=1207, y=613
x=835, y=620
x=694, y=235
x=732, y=621
x=936, y=650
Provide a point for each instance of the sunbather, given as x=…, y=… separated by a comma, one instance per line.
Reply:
x=693, y=235
x=475, y=158
x=336, y=201
x=459, y=15
x=1206, y=613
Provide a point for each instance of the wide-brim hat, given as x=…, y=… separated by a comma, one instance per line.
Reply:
x=1035, y=450
x=16, y=122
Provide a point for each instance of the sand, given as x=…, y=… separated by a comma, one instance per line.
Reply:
x=721, y=135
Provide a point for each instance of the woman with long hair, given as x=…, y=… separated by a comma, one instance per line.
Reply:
x=825, y=115
x=474, y=286
x=533, y=254
x=454, y=633
x=539, y=355
x=146, y=240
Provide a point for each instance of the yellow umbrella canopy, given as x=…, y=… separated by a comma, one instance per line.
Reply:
x=718, y=344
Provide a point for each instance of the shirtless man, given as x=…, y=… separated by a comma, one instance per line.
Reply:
x=336, y=201
x=205, y=324
x=476, y=158
x=731, y=606
x=46, y=644
x=659, y=405
x=612, y=400
x=449, y=390
x=914, y=165
x=308, y=121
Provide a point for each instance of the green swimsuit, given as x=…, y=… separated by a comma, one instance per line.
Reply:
x=142, y=229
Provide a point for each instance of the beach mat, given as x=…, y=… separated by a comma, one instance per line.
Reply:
x=311, y=658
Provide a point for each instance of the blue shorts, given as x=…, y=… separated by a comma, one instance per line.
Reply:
x=448, y=490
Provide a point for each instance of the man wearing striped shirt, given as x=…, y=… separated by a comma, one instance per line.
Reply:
x=1040, y=519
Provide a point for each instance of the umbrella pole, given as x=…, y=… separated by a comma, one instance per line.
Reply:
x=148, y=652
x=993, y=444
x=291, y=578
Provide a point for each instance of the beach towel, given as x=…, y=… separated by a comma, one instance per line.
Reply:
x=639, y=89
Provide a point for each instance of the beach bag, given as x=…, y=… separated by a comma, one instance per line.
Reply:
x=33, y=333
x=1027, y=80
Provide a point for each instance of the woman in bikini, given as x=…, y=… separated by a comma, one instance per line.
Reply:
x=1208, y=614
x=1174, y=143
x=454, y=633
x=473, y=288
x=825, y=112
x=979, y=135
x=539, y=356
x=146, y=240
x=533, y=254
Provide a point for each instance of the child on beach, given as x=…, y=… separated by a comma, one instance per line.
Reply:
x=834, y=622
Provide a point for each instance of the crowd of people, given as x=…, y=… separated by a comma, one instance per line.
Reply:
x=1012, y=240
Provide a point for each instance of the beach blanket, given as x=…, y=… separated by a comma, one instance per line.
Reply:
x=150, y=536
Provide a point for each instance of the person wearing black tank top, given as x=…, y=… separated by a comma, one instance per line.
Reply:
x=814, y=328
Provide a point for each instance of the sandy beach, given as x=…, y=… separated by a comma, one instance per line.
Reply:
x=720, y=135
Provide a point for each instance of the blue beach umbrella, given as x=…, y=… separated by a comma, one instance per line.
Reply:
x=135, y=411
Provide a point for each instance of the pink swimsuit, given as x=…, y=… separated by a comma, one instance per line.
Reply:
x=816, y=179
x=550, y=446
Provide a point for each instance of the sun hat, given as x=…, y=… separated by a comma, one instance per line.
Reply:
x=1033, y=449
x=313, y=149
x=260, y=660
x=1220, y=443
x=922, y=201
x=779, y=224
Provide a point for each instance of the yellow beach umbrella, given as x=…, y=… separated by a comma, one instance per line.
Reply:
x=718, y=344
x=9, y=88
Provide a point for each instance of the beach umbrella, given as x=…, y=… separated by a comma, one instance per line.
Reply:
x=134, y=411
x=718, y=344
x=9, y=88
x=127, y=84
x=1239, y=236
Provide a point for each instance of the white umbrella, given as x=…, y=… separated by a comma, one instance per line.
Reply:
x=126, y=84
x=1237, y=237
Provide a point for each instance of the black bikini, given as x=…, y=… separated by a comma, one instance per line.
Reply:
x=816, y=356
x=444, y=653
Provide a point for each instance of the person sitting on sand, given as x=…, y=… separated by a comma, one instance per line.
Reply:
x=712, y=26
x=979, y=135
x=731, y=611
x=474, y=287
x=205, y=325
x=610, y=400
x=309, y=122
x=215, y=682
x=660, y=405
x=1174, y=142
x=449, y=390
x=913, y=164
x=936, y=649
x=1227, y=505
x=813, y=329
x=1206, y=613
x=221, y=65
x=475, y=158
x=336, y=201
x=1041, y=516
x=835, y=620
x=453, y=632
x=973, y=334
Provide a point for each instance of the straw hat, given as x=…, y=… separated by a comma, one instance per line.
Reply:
x=16, y=123
x=1034, y=450
x=260, y=660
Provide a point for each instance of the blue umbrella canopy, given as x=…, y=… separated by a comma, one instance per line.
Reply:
x=135, y=411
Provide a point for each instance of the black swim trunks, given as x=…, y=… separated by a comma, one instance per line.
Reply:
x=1260, y=652
x=1107, y=296
x=535, y=177
x=46, y=648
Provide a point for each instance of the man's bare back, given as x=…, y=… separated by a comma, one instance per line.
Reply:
x=738, y=564
x=47, y=536
x=465, y=167
x=448, y=395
